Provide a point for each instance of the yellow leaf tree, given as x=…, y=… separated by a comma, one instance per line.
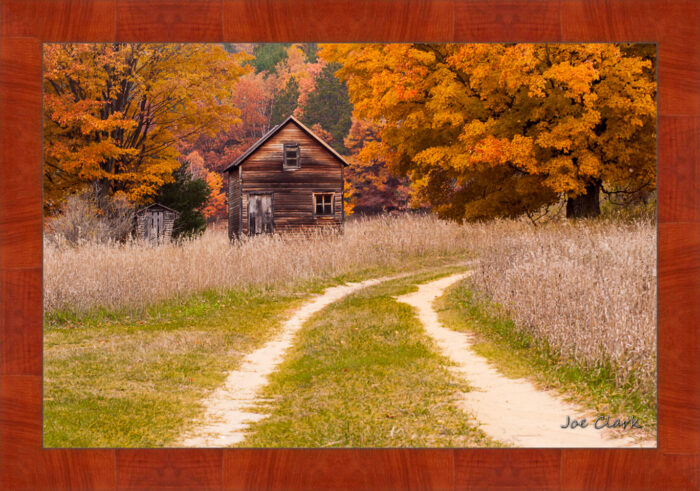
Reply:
x=488, y=130
x=113, y=113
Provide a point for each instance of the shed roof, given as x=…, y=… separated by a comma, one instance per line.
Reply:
x=290, y=119
x=142, y=210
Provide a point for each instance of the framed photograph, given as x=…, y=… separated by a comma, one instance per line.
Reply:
x=340, y=245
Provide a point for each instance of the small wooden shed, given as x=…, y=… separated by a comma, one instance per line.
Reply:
x=155, y=223
x=290, y=180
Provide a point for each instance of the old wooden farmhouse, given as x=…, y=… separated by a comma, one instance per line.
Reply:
x=288, y=181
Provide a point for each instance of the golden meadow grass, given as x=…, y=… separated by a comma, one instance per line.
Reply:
x=588, y=288
x=135, y=274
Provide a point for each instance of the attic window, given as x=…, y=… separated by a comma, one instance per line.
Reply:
x=291, y=155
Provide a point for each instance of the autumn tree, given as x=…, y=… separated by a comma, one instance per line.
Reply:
x=253, y=96
x=215, y=206
x=113, y=112
x=311, y=51
x=489, y=130
x=371, y=187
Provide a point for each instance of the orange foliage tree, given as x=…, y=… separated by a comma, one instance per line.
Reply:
x=114, y=112
x=489, y=130
x=253, y=95
x=370, y=185
x=216, y=204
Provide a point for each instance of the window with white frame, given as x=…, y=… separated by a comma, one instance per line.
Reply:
x=291, y=155
x=323, y=204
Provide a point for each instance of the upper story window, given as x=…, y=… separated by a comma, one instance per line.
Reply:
x=291, y=155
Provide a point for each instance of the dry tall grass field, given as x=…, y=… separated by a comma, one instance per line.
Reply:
x=136, y=274
x=588, y=288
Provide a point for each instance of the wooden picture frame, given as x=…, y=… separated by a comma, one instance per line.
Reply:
x=674, y=25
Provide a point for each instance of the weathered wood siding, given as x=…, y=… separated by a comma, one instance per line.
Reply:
x=234, y=204
x=292, y=190
x=168, y=222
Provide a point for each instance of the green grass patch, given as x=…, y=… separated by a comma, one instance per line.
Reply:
x=203, y=302
x=115, y=380
x=137, y=377
x=363, y=373
x=517, y=354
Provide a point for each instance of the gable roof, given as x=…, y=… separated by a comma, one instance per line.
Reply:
x=273, y=132
x=143, y=210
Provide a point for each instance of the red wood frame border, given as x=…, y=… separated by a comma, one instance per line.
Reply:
x=673, y=24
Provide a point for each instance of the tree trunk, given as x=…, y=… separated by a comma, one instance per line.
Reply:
x=586, y=205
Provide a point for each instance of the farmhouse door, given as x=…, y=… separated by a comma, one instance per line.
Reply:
x=154, y=225
x=259, y=214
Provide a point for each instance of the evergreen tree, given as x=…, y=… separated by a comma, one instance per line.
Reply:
x=285, y=102
x=329, y=105
x=186, y=195
x=268, y=55
x=310, y=50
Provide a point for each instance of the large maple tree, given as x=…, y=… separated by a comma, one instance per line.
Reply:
x=488, y=130
x=113, y=113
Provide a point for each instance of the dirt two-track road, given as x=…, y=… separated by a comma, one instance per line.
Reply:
x=509, y=410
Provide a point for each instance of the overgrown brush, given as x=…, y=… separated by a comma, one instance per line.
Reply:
x=91, y=217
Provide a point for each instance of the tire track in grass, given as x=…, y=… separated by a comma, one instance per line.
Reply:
x=363, y=373
x=229, y=408
x=510, y=410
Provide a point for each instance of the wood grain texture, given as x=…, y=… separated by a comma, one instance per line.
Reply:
x=169, y=20
x=59, y=20
x=338, y=20
x=20, y=415
x=518, y=20
x=679, y=337
x=293, y=206
x=638, y=469
x=20, y=153
x=25, y=465
x=507, y=469
x=20, y=322
x=678, y=172
x=674, y=24
x=338, y=469
x=169, y=469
